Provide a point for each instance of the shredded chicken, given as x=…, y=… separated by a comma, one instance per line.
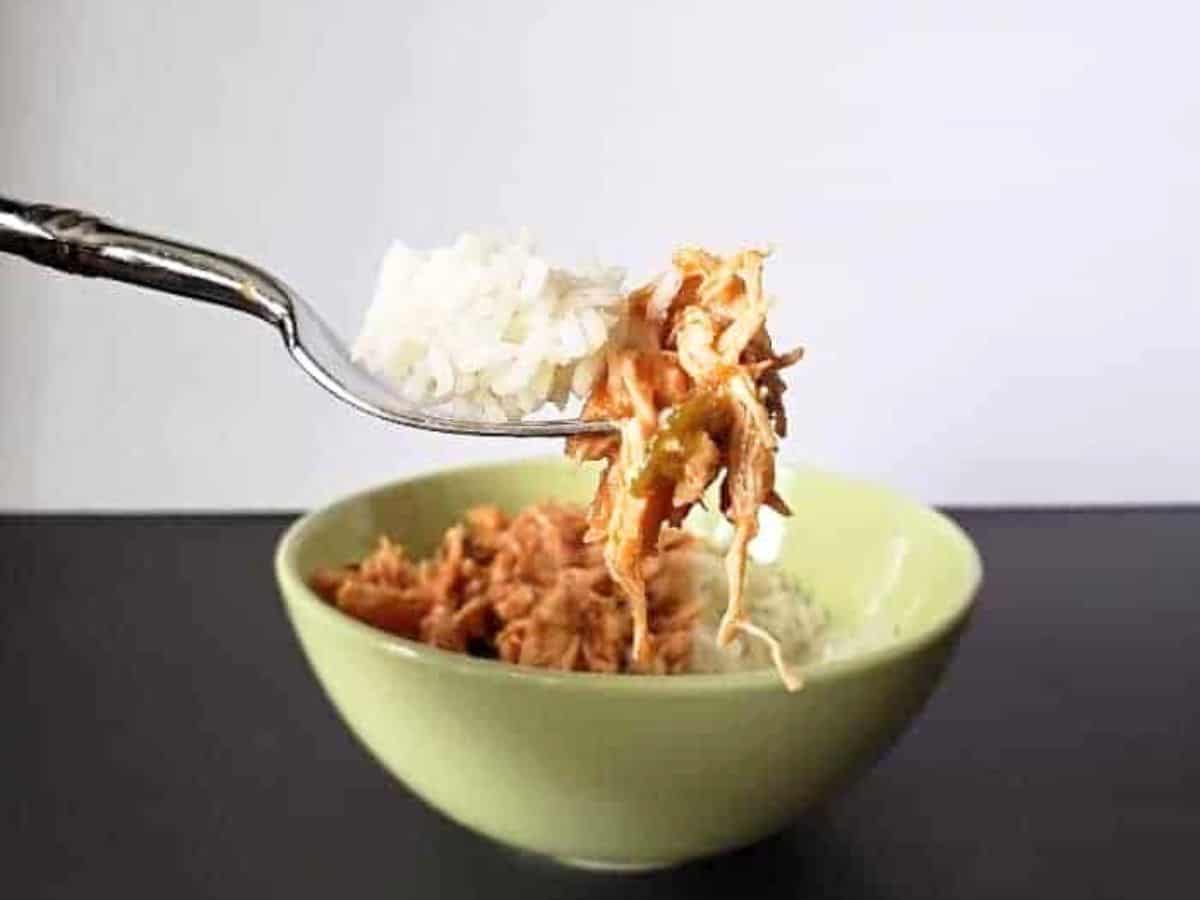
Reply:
x=695, y=386
x=528, y=590
x=694, y=382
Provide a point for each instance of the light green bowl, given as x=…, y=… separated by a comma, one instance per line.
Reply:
x=637, y=772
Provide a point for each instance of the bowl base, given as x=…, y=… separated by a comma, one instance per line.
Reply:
x=615, y=867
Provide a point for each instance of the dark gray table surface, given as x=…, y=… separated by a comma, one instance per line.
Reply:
x=162, y=736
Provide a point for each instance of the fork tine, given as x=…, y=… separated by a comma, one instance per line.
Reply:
x=325, y=358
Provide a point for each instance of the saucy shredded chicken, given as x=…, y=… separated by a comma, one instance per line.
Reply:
x=694, y=383
x=526, y=590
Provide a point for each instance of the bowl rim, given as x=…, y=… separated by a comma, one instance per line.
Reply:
x=296, y=593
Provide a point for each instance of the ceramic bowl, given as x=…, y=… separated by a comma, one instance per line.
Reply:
x=637, y=772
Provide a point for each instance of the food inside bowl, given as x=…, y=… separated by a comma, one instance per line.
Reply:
x=684, y=365
x=531, y=590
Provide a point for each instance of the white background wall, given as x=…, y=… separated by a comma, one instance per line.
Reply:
x=988, y=218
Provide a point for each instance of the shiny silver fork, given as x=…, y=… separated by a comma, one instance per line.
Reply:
x=82, y=244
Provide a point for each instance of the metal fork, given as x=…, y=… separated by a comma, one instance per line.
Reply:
x=83, y=244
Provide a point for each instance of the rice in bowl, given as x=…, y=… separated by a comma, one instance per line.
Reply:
x=530, y=590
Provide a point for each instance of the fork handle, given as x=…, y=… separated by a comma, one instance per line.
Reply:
x=80, y=243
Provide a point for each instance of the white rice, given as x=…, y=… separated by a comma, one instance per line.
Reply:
x=487, y=328
x=776, y=601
